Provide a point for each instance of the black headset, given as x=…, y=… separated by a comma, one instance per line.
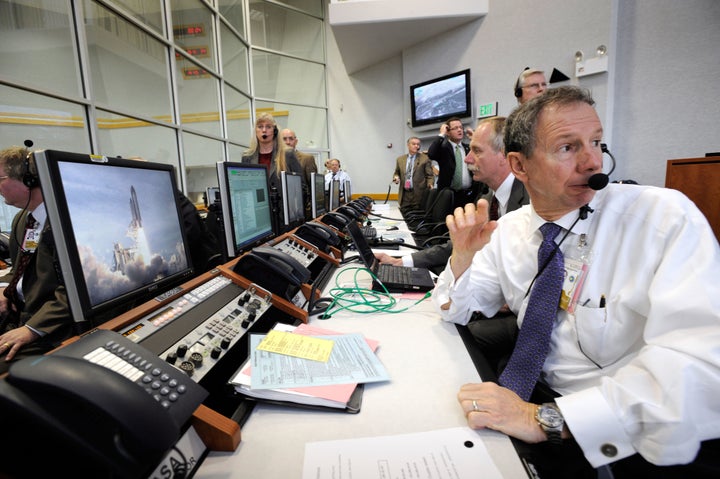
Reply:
x=29, y=176
x=275, y=131
x=518, y=88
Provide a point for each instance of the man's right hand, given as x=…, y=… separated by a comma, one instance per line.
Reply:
x=387, y=259
x=470, y=230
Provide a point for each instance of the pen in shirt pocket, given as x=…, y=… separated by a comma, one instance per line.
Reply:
x=602, y=301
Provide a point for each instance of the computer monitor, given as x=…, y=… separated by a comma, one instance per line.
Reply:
x=292, y=199
x=212, y=195
x=334, y=196
x=348, y=191
x=317, y=191
x=245, y=204
x=117, y=227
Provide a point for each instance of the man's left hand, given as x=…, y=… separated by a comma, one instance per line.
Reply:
x=488, y=405
x=12, y=341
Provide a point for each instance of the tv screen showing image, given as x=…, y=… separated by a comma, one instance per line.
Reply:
x=245, y=203
x=117, y=227
x=436, y=100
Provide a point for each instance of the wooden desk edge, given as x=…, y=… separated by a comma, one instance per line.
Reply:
x=217, y=432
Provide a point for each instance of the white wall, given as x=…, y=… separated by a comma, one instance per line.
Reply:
x=659, y=100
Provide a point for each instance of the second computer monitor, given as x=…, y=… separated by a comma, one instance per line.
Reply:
x=317, y=187
x=334, y=195
x=246, y=209
x=292, y=199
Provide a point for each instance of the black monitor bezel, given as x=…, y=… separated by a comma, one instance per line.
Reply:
x=319, y=208
x=233, y=248
x=54, y=194
x=288, y=222
x=465, y=112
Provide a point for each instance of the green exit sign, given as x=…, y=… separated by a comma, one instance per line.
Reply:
x=487, y=109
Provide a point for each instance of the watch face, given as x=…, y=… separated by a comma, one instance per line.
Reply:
x=550, y=416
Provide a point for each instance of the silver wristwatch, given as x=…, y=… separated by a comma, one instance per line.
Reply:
x=551, y=421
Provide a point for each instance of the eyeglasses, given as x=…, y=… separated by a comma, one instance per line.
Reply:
x=288, y=137
x=3, y=178
x=535, y=86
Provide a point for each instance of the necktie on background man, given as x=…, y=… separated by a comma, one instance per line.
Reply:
x=11, y=289
x=457, y=175
x=494, y=213
x=408, y=172
x=533, y=342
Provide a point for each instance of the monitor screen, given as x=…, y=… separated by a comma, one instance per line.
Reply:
x=246, y=209
x=441, y=98
x=117, y=227
x=212, y=195
x=348, y=191
x=292, y=199
x=317, y=187
x=334, y=195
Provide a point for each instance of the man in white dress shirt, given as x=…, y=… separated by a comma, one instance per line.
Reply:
x=635, y=353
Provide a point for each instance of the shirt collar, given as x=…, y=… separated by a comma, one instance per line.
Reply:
x=503, y=192
x=40, y=214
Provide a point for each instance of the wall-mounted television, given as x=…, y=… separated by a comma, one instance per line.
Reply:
x=436, y=100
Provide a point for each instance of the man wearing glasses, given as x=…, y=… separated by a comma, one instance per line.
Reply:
x=530, y=84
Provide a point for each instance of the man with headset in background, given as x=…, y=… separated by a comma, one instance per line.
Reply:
x=530, y=84
x=34, y=313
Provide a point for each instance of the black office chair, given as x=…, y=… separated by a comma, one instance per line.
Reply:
x=434, y=223
x=415, y=218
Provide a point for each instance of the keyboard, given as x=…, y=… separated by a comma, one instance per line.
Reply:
x=394, y=274
x=369, y=232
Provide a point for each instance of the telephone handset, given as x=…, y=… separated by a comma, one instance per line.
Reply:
x=318, y=234
x=337, y=220
x=351, y=213
x=274, y=270
x=122, y=416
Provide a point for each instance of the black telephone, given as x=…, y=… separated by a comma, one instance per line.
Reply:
x=89, y=417
x=319, y=235
x=350, y=212
x=337, y=220
x=274, y=270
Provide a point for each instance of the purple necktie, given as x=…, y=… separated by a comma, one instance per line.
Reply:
x=533, y=342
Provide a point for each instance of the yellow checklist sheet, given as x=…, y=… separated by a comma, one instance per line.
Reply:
x=297, y=345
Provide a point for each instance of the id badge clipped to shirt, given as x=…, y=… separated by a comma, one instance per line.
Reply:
x=408, y=186
x=577, y=263
x=30, y=243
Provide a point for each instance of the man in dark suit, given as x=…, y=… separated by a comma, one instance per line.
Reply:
x=413, y=172
x=35, y=317
x=449, y=151
x=488, y=164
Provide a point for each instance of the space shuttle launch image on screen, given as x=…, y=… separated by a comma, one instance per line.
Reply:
x=139, y=251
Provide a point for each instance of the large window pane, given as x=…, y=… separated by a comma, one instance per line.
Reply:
x=198, y=92
x=128, y=67
x=313, y=7
x=35, y=35
x=309, y=124
x=201, y=156
x=234, y=60
x=193, y=30
x=237, y=110
x=287, y=31
x=148, y=12
x=232, y=11
x=47, y=122
x=235, y=152
x=127, y=137
x=287, y=79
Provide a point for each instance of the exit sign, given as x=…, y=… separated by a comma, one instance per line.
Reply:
x=487, y=109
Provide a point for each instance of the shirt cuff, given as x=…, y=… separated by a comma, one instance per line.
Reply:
x=596, y=429
x=36, y=331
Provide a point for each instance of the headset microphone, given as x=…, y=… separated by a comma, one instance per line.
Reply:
x=598, y=181
x=28, y=143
